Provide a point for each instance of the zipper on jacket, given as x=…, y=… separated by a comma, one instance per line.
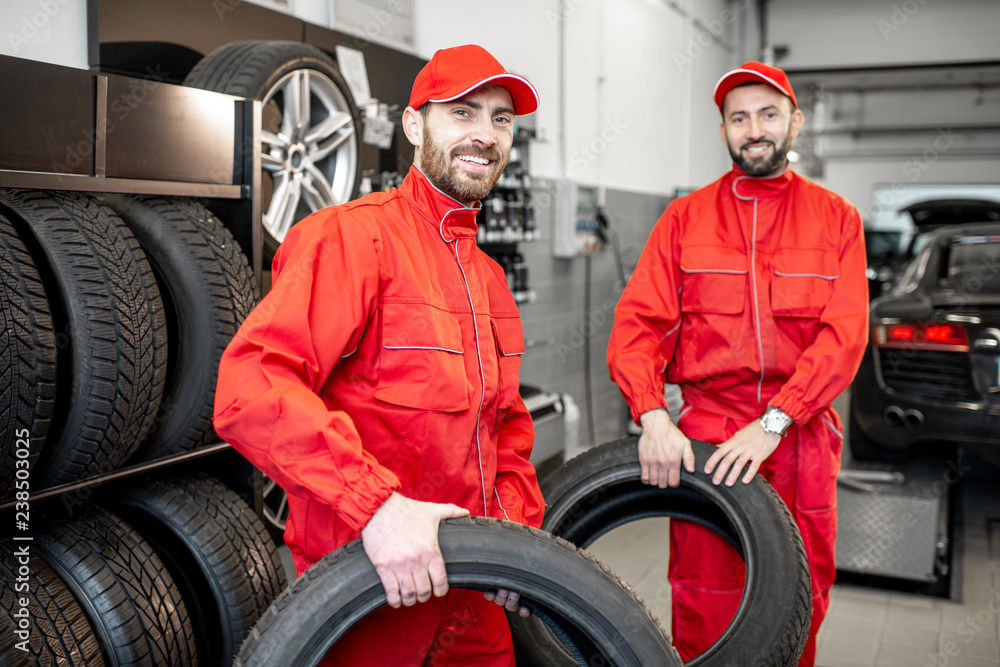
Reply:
x=753, y=283
x=479, y=356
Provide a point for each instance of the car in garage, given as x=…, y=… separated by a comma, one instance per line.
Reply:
x=891, y=250
x=930, y=378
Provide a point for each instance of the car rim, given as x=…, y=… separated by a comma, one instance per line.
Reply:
x=309, y=150
x=275, y=502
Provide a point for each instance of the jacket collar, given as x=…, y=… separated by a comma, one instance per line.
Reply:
x=745, y=186
x=452, y=218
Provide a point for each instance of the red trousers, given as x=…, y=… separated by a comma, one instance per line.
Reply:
x=461, y=628
x=707, y=575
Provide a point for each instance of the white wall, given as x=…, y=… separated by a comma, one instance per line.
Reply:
x=53, y=31
x=522, y=35
x=904, y=126
x=857, y=179
x=637, y=82
x=824, y=34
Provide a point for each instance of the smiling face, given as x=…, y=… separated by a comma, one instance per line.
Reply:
x=462, y=146
x=758, y=125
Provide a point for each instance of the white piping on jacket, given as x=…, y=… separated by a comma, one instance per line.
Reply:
x=805, y=275
x=500, y=503
x=713, y=271
x=753, y=282
x=479, y=356
x=832, y=427
x=420, y=347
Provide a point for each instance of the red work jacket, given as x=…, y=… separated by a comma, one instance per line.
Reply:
x=750, y=292
x=384, y=358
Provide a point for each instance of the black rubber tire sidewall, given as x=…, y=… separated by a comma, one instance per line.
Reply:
x=122, y=585
x=27, y=360
x=772, y=625
x=59, y=632
x=342, y=588
x=110, y=331
x=208, y=289
x=217, y=550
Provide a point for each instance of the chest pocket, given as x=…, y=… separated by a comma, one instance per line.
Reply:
x=803, y=282
x=714, y=280
x=421, y=363
x=510, y=346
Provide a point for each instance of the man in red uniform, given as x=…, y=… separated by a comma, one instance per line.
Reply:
x=377, y=382
x=751, y=295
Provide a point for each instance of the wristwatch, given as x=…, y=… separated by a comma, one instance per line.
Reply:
x=774, y=420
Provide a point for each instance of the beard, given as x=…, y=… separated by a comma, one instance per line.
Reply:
x=451, y=179
x=764, y=165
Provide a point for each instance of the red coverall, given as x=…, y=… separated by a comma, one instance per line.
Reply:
x=385, y=358
x=750, y=292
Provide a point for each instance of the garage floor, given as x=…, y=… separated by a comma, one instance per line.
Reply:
x=867, y=627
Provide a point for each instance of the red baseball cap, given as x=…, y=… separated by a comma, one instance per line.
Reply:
x=754, y=72
x=456, y=72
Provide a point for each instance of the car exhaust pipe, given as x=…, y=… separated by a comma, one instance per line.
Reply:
x=893, y=415
x=913, y=419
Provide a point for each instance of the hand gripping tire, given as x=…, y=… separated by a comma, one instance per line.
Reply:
x=315, y=611
x=601, y=489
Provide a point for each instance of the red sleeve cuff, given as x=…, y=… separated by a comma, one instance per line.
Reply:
x=645, y=404
x=357, y=507
x=794, y=409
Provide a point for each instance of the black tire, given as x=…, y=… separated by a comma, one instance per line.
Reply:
x=207, y=289
x=110, y=331
x=27, y=360
x=127, y=593
x=56, y=629
x=322, y=604
x=601, y=489
x=256, y=70
x=217, y=550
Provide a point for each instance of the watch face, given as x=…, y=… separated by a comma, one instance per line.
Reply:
x=775, y=422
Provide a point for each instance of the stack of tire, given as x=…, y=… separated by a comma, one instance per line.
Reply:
x=115, y=311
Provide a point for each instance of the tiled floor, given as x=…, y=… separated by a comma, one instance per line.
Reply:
x=872, y=628
x=869, y=627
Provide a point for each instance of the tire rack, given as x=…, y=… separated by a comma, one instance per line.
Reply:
x=68, y=129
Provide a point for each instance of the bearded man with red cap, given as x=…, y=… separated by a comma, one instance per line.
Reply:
x=751, y=296
x=377, y=381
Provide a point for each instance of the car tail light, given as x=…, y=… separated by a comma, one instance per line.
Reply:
x=915, y=336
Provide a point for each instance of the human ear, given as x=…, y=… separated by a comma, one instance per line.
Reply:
x=413, y=126
x=798, y=118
